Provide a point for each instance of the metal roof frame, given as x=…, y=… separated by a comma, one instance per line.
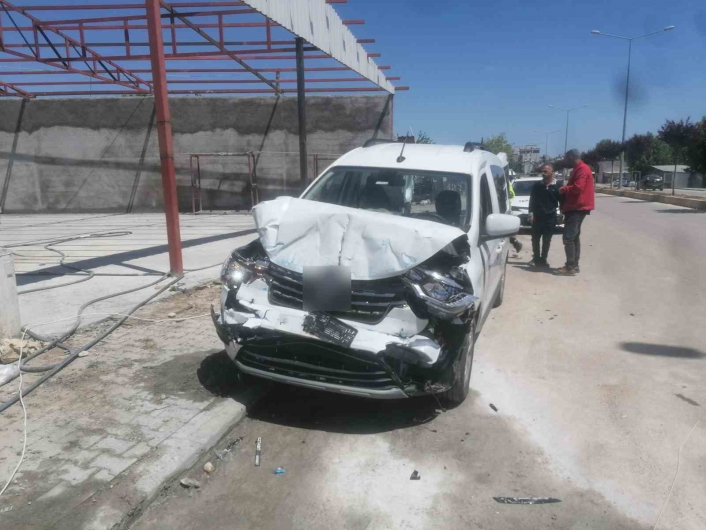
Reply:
x=199, y=33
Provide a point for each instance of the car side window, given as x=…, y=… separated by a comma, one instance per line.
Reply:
x=486, y=202
x=500, y=187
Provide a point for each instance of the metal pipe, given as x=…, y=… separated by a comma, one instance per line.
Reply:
x=164, y=135
x=301, y=112
x=625, y=118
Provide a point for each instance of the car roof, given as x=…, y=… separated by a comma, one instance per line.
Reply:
x=425, y=157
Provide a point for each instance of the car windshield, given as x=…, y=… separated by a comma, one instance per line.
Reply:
x=523, y=187
x=432, y=196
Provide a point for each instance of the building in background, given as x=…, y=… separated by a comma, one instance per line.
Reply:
x=608, y=170
x=528, y=156
x=685, y=178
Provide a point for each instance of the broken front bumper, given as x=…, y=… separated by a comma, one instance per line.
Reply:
x=388, y=360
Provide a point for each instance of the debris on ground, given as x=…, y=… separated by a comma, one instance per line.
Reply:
x=190, y=483
x=209, y=468
x=279, y=471
x=8, y=373
x=415, y=475
x=172, y=315
x=258, y=451
x=10, y=349
x=5, y=509
x=493, y=407
x=223, y=455
x=526, y=500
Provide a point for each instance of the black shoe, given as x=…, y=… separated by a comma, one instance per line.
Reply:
x=543, y=264
x=566, y=271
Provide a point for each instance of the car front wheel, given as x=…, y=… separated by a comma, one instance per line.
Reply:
x=458, y=392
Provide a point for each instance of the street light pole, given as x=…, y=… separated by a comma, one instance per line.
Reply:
x=546, y=140
x=568, y=110
x=627, y=88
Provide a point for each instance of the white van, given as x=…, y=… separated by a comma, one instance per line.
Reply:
x=377, y=281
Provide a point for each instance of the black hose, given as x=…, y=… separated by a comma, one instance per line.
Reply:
x=56, y=341
x=75, y=353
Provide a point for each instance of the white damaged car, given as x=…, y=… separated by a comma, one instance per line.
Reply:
x=377, y=281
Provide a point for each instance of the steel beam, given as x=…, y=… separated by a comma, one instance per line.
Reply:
x=115, y=7
x=4, y=87
x=217, y=44
x=215, y=91
x=201, y=70
x=133, y=79
x=202, y=81
x=164, y=135
x=214, y=25
x=169, y=43
x=301, y=113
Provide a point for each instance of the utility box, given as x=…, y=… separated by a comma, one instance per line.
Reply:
x=10, y=325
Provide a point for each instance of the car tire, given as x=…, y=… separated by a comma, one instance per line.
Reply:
x=501, y=289
x=461, y=385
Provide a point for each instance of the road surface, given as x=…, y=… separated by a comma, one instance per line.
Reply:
x=597, y=380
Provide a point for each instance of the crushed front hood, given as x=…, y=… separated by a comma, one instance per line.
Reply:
x=296, y=233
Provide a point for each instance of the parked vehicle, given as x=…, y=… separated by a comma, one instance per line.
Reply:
x=520, y=204
x=377, y=281
x=652, y=182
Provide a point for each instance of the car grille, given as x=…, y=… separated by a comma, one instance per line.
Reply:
x=370, y=300
x=314, y=361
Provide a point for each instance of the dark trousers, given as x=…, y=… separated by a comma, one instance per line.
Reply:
x=542, y=230
x=572, y=236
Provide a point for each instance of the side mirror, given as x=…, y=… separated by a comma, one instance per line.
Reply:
x=500, y=225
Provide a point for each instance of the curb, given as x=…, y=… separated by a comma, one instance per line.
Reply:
x=128, y=494
x=696, y=204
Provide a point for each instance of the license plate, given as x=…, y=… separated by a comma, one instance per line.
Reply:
x=329, y=329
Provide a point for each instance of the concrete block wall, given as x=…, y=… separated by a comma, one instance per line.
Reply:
x=101, y=154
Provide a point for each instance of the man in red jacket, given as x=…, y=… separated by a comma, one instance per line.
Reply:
x=577, y=201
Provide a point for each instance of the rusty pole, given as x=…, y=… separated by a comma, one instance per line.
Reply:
x=164, y=135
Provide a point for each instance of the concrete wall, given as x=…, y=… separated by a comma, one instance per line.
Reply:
x=101, y=155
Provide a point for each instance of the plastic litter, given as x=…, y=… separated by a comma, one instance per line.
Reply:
x=415, y=475
x=189, y=483
x=209, y=468
x=526, y=500
x=279, y=471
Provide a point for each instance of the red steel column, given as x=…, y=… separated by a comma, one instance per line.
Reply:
x=164, y=134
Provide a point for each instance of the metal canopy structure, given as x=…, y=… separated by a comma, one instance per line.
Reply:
x=46, y=52
x=57, y=50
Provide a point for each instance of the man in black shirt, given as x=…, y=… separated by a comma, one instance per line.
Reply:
x=544, y=200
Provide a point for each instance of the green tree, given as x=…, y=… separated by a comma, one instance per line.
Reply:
x=643, y=151
x=608, y=150
x=696, y=151
x=499, y=144
x=424, y=138
x=678, y=135
x=591, y=158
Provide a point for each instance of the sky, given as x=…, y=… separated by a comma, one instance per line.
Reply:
x=477, y=69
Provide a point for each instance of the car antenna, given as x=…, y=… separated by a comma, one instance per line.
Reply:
x=401, y=158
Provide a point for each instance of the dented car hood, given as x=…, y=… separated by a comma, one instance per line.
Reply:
x=296, y=233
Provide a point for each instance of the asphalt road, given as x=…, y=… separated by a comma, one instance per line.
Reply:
x=597, y=380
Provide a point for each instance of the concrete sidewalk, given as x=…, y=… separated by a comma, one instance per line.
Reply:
x=105, y=433
x=135, y=255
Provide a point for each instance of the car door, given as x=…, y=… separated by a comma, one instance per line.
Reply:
x=492, y=250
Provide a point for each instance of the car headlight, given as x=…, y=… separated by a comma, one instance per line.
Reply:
x=233, y=273
x=236, y=270
x=444, y=298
